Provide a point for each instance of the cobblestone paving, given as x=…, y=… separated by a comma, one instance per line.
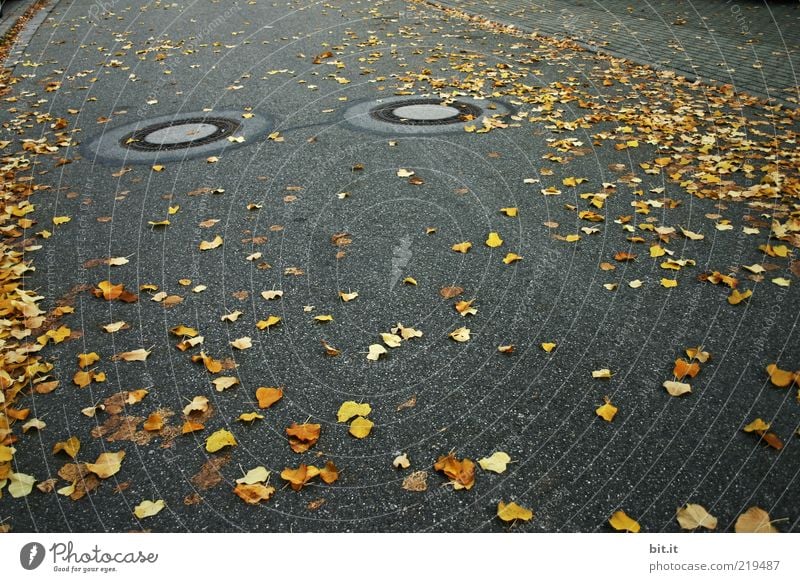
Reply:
x=752, y=45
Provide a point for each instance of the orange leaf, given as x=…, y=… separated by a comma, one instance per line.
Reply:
x=303, y=436
x=461, y=473
x=683, y=368
x=268, y=396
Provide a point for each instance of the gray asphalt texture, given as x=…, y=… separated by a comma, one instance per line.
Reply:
x=570, y=467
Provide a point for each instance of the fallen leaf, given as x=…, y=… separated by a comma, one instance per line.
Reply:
x=512, y=512
x=268, y=396
x=329, y=473
x=511, y=211
x=604, y=374
x=346, y=297
x=351, y=409
x=139, y=355
x=461, y=473
x=219, y=440
x=361, y=427
x=736, y=297
x=272, y=320
x=694, y=516
x=621, y=522
x=391, y=340
x=107, y=464
x=20, y=484
x=253, y=476
x=255, y=493
x=154, y=422
x=303, y=436
x=375, y=352
x=148, y=508
x=548, y=347
x=754, y=520
x=462, y=247
x=297, y=478
x=607, y=411
x=677, y=388
x=780, y=378
x=207, y=245
x=683, y=368
x=462, y=334
x=511, y=258
x=416, y=481
x=401, y=461
x=224, y=382
x=494, y=240
x=243, y=343
x=450, y=292
x=496, y=463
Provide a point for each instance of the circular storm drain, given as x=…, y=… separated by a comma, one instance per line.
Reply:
x=177, y=137
x=421, y=115
x=426, y=112
x=180, y=134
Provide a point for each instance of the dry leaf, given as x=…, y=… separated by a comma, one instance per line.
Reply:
x=462, y=247
x=148, y=508
x=391, y=340
x=361, y=427
x=416, y=481
x=253, y=494
x=496, y=463
x=621, y=522
x=219, y=440
x=207, y=245
x=494, y=240
x=677, y=388
x=348, y=296
x=303, y=436
x=754, y=520
x=607, y=411
x=375, y=352
x=780, y=378
x=694, y=516
x=512, y=512
x=107, y=464
x=329, y=473
x=269, y=322
x=461, y=473
x=401, y=461
x=351, y=409
x=462, y=334
x=297, y=478
x=268, y=396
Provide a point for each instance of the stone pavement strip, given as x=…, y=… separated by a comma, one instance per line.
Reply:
x=753, y=46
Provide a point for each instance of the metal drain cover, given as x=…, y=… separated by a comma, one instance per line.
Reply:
x=420, y=115
x=177, y=137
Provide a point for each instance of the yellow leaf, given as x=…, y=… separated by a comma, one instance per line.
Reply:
x=158, y=168
x=735, y=298
x=572, y=238
x=780, y=378
x=511, y=211
x=511, y=258
x=460, y=335
x=269, y=322
x=692, y=235
x=270, y=295
x=462, y=247
x=669, y=283
x=139, y=355
x=158, y=222
x=782, y=281
x=548, y=347
x=496, y=463
x=219, y=440
x=361, y=427
x=71, y=446
x=512, y=512
x=350, y=409
x=348, y=296
x=20, y=484
x=107, y=464
x=391, y=340
x=255, y=493
x=183, y=331
x=253, y=476
x=758, y=425
x=409, y=281
x=607, y=411
x=148, y=508
x=493, y=240
x=7, y=453
x=465, y=308
x=754, y=520
x=243, y=343
x=635, y=284
x=323, y=318
x=250, y=416
x=572, y=181
x=694, y=516
x=115, y=327
x=677, y=388
x=656, y=251
x=375, y=352
x=173, y=209
x=605, y=374
x=58, y=220
x=621, y=522
x=207, y=245
x=224, y=382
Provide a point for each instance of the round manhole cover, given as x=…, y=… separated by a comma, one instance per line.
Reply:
x=421, y=115
x=180, y=134
x=178, y=137
x=426, y=112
